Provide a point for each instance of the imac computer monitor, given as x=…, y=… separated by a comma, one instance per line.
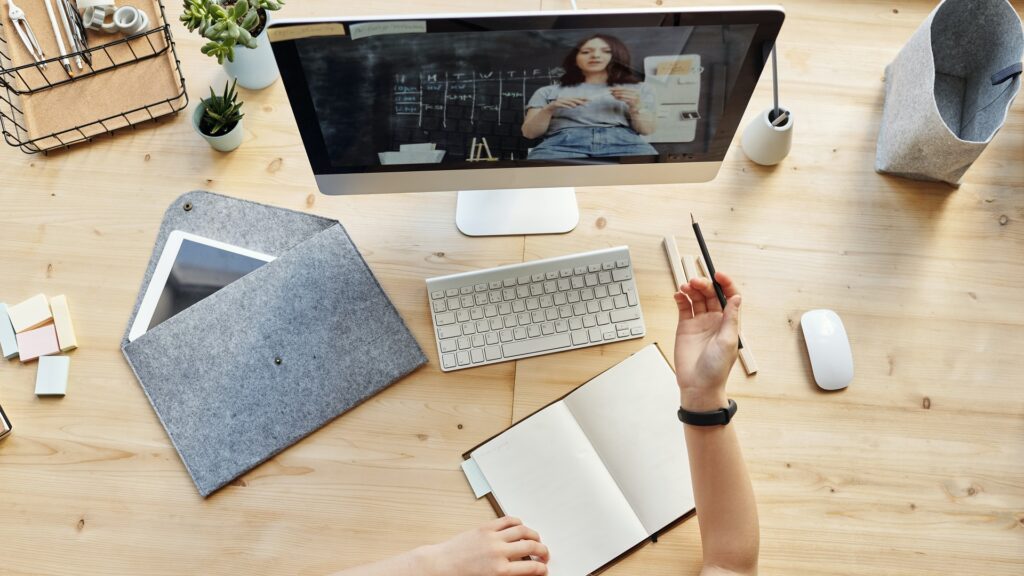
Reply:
x=514, y=109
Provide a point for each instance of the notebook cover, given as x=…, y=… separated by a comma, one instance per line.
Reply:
x=497, y=507
x=212, y=372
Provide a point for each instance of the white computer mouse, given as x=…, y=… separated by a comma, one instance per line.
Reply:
x=829, y=349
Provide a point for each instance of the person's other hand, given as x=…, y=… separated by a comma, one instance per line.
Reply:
x=496, y=548
x=706, y=342
x=629, y=96
x=565, y=103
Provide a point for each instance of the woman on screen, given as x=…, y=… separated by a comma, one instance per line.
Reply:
x=598, y=108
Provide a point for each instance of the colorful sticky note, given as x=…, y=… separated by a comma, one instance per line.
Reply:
x=39, y=342
x=30, y=314
x=52, y=377
x=62, y=322
x=8, y=343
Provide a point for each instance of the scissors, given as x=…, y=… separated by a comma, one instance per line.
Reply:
x=28, y=38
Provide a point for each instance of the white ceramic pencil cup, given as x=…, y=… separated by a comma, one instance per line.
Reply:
x=765, y=143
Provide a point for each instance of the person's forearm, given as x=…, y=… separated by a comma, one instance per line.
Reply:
x=726, y=510
x=536, y=125
x=642, y=122
x=413, y=563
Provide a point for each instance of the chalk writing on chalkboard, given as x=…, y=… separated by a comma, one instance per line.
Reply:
x=432, y=93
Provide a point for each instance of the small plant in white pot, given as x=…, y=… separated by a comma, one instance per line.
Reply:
x=218, y=119
x=236, y=30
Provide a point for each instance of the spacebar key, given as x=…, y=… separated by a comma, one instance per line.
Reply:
x=534, y=345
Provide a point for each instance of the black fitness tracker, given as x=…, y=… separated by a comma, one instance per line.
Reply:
x=719, y=417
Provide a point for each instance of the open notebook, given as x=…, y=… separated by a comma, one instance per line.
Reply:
x=596, y=473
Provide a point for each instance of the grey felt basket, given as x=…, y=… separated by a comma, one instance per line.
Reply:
x=268, y=359
x=948, y=91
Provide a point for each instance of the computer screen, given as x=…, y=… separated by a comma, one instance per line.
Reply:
x=521, y=100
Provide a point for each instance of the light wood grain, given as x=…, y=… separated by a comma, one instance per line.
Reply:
x=917, y=468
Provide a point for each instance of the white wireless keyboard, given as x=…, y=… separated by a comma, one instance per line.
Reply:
x=533, y=308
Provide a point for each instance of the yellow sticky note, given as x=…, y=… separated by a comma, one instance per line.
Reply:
x=675, y=67
x=31, y=313
x=62, y=321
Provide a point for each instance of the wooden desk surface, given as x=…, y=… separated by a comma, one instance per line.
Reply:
x=917, y=468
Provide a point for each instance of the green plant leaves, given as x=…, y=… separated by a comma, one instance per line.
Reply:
x=221, y=113
x=226, y=24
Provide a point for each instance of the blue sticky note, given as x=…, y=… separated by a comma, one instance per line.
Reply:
x=8, y=342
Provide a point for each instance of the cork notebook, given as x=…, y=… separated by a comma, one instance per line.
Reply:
x=100, y=91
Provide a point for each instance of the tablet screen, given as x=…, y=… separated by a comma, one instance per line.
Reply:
x=198, y=271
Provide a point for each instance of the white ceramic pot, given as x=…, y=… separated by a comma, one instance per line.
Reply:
x=255, y=68
x=225, y=142
x=766, y=144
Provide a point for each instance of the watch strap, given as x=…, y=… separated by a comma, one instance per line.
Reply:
x=719, y=417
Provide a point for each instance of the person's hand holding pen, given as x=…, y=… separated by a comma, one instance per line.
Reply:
x=707, y=338
x=565, y=103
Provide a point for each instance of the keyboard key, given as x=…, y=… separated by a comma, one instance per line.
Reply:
x=506, y=335
x=510, y=322
x=492, y=353
x=519, y=333
x=609, y=335
x=504, y=308
x=631, y=297
x=577, y=282
x=523, y=280
x=508, y=282
x=624, y=315
x=607, y=265
x=573, y=297
x=593, y=267
x=614, y=290
x=518, y=306
x=439, y=306
x=621, y=263
x=636, y=330
x=482, y=326
x=620, y=274
x=565, y=272
x=604, y=277
x=463, y=343
x=480, y=287
x=580, y=270
x=492, y=338
x=619, y=301
x=595, y=335
x=476, y=314
x=589, y=321
x=490, y=311
x=533, y=331
x=550, y=287
x=546, y=301
x=452, y=292
x=445, y=319
x=575, y=323
x=536, y=289
x=603, y=319
x=601, y=292
x=593, y=307
x=563, y=312
x=477, y=355
x=448, y=360
x=537, y=316
x=494, y=297
x=449, y=345
x=606, y=304
x=453, y=304
x=536, y=345
x=580, y=337
x=437, y=294
x=462, y=315
x=480, y=299
x=537, y=278
x=559, y=299
x=522, y=291
x=496, y=285
x=622, y=332
x=463, y=357
x=579, y=309
x=524, y=319
x=508, y=294
x=495, y=323
x=477, y=340
x=467, y=301
x=587, y=294
x=591, y=279
x=551, y=314
x=561, y=326
x=466, y=290
x=551, y=275
x=547, y=329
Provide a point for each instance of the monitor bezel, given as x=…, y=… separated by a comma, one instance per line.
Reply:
x=698, y=167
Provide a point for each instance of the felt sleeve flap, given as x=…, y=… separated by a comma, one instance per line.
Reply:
x=272, y=357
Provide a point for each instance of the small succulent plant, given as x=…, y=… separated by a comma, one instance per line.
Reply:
x=221, y=113
x=227, y=23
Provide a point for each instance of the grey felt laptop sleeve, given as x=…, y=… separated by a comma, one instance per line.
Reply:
x=272, y=357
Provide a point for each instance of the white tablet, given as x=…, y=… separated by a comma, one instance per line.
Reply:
x=190, y=268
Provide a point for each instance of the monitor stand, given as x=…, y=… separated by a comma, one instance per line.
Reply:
x=516, y=211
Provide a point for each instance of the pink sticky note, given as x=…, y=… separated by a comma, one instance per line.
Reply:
x=39, y=342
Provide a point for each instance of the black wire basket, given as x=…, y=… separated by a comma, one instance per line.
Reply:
x=20, y=82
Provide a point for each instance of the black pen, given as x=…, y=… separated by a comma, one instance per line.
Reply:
x=711, y=267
